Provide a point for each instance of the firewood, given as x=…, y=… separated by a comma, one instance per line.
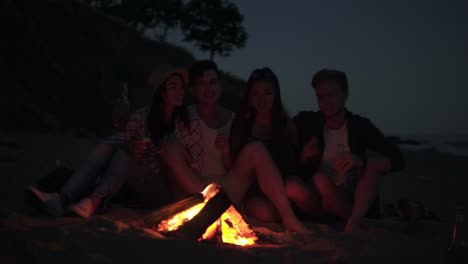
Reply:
x=197, y=226
x=154, y=218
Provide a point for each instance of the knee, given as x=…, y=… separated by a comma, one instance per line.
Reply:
x=295, y=190
x=254, y=149
x=322, y=182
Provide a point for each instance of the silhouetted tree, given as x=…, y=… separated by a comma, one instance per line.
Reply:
x=158, y=16
x=101, y=4
x=214, y=26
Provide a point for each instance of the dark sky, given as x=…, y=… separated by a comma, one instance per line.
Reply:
x=407, y=61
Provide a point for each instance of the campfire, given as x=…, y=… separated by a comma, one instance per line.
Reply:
x=208, y=216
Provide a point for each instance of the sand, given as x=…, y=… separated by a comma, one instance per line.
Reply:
x=437, y=180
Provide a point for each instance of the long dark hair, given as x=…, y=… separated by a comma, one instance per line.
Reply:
x=157, y=126
x=242, y=125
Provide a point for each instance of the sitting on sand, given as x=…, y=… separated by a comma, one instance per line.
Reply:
x=270, y=165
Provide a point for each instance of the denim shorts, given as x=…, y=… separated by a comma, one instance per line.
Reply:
x=348, y=188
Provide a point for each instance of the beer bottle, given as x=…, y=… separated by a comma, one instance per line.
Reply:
x=458, y=250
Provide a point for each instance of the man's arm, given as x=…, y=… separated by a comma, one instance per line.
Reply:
x=222, y=144
x=392, y=158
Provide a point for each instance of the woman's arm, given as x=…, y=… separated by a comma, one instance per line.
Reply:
x=222, y=144
x=123, y=137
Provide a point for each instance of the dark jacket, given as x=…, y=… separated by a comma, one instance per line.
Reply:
x=362, y=136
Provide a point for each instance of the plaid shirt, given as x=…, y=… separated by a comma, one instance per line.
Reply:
x=191, y=137
x=135, y=129
x=136, y=139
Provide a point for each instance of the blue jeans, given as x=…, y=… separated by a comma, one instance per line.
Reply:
x=102, y=174
x=348, y=188
x=108, y=170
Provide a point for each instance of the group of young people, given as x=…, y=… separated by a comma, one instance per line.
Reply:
x=272, y=166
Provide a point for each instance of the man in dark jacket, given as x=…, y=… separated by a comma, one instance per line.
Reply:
x=347, y=176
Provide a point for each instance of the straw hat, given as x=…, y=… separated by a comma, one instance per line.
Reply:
x=162, y=72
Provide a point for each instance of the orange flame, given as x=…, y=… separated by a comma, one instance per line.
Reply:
x=231, y=224
x=234, y=230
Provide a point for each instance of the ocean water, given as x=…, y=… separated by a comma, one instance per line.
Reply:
x=455, y=144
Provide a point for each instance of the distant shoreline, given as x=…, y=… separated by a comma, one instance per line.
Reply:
x=456, y=145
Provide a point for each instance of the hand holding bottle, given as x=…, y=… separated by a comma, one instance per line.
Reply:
x=344, y=162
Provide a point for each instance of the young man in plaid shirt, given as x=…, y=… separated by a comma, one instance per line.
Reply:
x=200, y=155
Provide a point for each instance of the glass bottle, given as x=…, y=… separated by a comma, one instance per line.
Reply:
x=458, y=250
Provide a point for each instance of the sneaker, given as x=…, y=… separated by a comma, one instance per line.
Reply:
x=84, y=208
x=50, y=202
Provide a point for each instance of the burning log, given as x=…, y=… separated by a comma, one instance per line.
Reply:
x=212, y=217
x=153, y=219
x=198, y=225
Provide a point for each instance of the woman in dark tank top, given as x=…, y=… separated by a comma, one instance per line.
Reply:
x=263, y=118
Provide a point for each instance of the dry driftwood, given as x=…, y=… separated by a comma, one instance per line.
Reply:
x=154, y=218
x=197, y=226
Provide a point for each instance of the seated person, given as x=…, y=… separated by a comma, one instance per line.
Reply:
x=129, y=157
x=346, y=179
x=263, y=119
x=201, y=155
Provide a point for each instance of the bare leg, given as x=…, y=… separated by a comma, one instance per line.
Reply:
x=255, y=163
x=303, y=197
x=333, y=201
x=366, y=191
x=176, y=158
x=261, y=209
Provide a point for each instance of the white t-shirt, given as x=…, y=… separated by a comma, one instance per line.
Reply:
x=213, y=166
x=336, y=141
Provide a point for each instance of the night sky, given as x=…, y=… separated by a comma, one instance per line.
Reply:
x=406, y=61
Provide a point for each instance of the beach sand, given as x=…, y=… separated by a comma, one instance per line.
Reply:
x=439, y=181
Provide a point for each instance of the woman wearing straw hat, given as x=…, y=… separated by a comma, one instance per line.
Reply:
x=129, y=158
